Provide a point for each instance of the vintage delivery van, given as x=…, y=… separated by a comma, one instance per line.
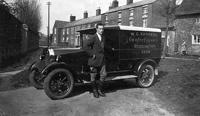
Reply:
x=130, y=52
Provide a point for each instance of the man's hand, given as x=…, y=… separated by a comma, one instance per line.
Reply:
x=93, y=56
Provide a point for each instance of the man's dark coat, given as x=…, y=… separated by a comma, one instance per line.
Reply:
x=95, y=47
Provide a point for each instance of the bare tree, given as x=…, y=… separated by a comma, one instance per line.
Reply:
x=168, y=10
x=4, y=5
x=28, y=11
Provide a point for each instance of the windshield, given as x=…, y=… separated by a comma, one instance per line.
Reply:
x=84, y=38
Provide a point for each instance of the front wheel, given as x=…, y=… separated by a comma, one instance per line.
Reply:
x=58, y=84
x=146, y=76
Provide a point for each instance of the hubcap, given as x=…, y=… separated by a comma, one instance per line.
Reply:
x=147, y=77
x=59, y=84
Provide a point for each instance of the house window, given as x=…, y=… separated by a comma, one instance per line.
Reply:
x=55, y=30
x=89, y=25
x=67, y=31
x=131, y=18
x=106, y=18
x=145, y=9
x=197, y=20
x=145, y=15
x=119, y=17
x=63, y=31
x=195, y=39
x=54, y=39
x=144, y=22
x=63, y=35
x=72, y=30
x=67, y=39
x=131, y=22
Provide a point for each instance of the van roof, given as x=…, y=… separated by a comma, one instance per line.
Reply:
x=122, y=27
x=132, y=28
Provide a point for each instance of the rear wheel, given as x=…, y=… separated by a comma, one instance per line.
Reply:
x=35, y=79
x=146, y=76
x=58, y=84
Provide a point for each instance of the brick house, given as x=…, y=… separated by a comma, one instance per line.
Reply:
x=65, y=33
x=187, y=27
x=147, y=13
x=57, y=32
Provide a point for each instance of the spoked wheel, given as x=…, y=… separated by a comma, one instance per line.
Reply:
x=146, y=76
x=36, y=79
x=58, y=84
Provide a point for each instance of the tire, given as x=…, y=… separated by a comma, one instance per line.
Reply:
x=35, y=79
x=146, y=76
x=58, y=84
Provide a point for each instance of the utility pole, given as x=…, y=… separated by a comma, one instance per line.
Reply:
x=48, y=32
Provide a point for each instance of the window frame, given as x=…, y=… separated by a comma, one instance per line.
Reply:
x=145, y=16
x=119, y=17
x=197, y=20
x=131, y=16
x=195, y=39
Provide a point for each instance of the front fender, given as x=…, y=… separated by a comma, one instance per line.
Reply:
x=32, y=66
x=53, y=66
x=146, y=61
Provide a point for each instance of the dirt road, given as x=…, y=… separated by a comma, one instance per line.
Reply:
x=32, y=102
x=176, y=93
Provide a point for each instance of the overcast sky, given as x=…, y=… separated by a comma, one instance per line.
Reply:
x=62, y=9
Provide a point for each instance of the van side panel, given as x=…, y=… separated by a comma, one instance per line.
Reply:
x=136, y=45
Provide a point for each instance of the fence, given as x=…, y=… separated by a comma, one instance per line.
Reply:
x=15, y=41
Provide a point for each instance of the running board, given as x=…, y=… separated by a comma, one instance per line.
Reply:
x=121, y=77
x=116, y=78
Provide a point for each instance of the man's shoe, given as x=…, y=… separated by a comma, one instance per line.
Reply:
x=95, y=94
x=102, y=94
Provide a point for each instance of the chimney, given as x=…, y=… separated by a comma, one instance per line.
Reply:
x=72, y=18
x=110, y=7
x=85, y=15
x=98, y=11
x=115, y=4
x=129, y=2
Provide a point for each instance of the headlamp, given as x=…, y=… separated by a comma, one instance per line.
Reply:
x=51, y=52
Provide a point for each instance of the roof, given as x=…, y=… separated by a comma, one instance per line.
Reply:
x=132, y=28
x=189, y=7
x=136, y=4
x=60, y=24
x=88, y=30
x=121, y=27
x=84, y=21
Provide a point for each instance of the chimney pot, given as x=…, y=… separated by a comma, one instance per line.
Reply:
x=98, y=11
x=114, y=4
x=85, y=14
x=129, y=2
x=72, y=18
